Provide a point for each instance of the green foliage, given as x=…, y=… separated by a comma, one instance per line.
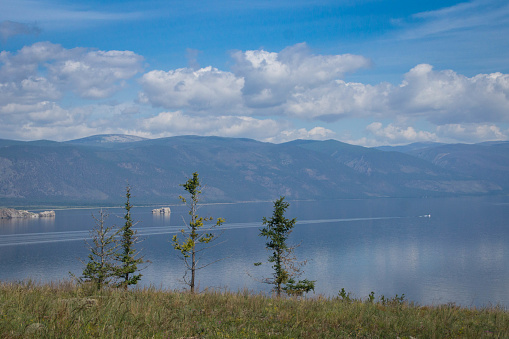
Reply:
x=343, y=295
x=277, y=230
x=300, y=287
x=128, y=257
x=392, y=301
x=194, y=235
x=371, y=299
x=100, y=268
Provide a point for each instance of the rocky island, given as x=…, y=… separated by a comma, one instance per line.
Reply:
x=163, y=210
x=11, y=213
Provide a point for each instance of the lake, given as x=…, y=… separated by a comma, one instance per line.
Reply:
x=459, y=254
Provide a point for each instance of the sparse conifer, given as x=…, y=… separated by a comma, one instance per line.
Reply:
x=195, y=234
x=286, y=267
x=100, y=268
x=128, y=257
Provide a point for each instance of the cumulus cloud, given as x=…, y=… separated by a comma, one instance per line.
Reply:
x=447, y=97
x=205, y=90
x=280, y=86
x=339, y=99
x=177, y=123
x=393, y=134
x=32, y=131
x=26, y=92
x=401, y=134
x=471, y=133
x=439, y=97
x=38, y=121
x=271, y=78
x=49, y=69
x=282, y=83
x=48, y=120
x=316, y=133
x=34, y=79
x=96, y=74
x=297, y=84
x=9, y=29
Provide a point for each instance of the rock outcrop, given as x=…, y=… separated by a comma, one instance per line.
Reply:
x=47, y=214
x=162, y=210
x=10, y=213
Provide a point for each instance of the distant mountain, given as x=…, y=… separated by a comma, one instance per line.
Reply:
x=485, y=161
x=106, y=140
x=95, y=170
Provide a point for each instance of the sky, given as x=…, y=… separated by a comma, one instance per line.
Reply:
x=365, y=72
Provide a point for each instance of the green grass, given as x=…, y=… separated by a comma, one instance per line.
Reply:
x=64, y=310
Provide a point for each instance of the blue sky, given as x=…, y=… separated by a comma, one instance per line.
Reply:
x=366, y=72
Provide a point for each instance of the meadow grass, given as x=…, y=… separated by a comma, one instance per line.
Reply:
x=66, y=310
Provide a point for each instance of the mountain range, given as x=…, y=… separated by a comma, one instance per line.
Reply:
x=95, y=170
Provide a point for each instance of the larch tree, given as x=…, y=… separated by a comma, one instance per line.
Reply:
x=286, y=267
x=100, y=268
x=196, y=234
x=128, y=257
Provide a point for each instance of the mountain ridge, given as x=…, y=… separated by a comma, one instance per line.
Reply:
x=234, y=169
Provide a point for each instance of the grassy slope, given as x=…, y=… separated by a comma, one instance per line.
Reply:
x=64, y=310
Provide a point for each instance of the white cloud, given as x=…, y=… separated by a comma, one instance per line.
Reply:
x=401, y=134
x=26, y=92
x=316, y=133
x=31, y=131
x=447, y=97
x=262, y=82
x=439, y=97
x=471, y=133
x=271, y=78
x=96, y=74
x=88, y=73
x=291, y=84
x=34, y=79
x=462, y=16
x=177, y=123
x=48, y=120
x=393, y=134
x=296, y=84
x=205, y=90
x=339, y=99
x=42, y=120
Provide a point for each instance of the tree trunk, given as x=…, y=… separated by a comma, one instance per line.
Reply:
x=193, y=269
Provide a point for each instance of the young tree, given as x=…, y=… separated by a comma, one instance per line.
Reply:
x=101, y=265
x=195, y=234
x=286, y=267
x=128, y=257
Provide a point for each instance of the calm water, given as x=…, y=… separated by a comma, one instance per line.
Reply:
x=460, y=254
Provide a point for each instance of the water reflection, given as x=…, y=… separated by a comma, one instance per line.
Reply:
x=20, y=225
x=459, y=255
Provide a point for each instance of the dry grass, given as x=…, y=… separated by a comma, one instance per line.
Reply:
x=64, y=310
